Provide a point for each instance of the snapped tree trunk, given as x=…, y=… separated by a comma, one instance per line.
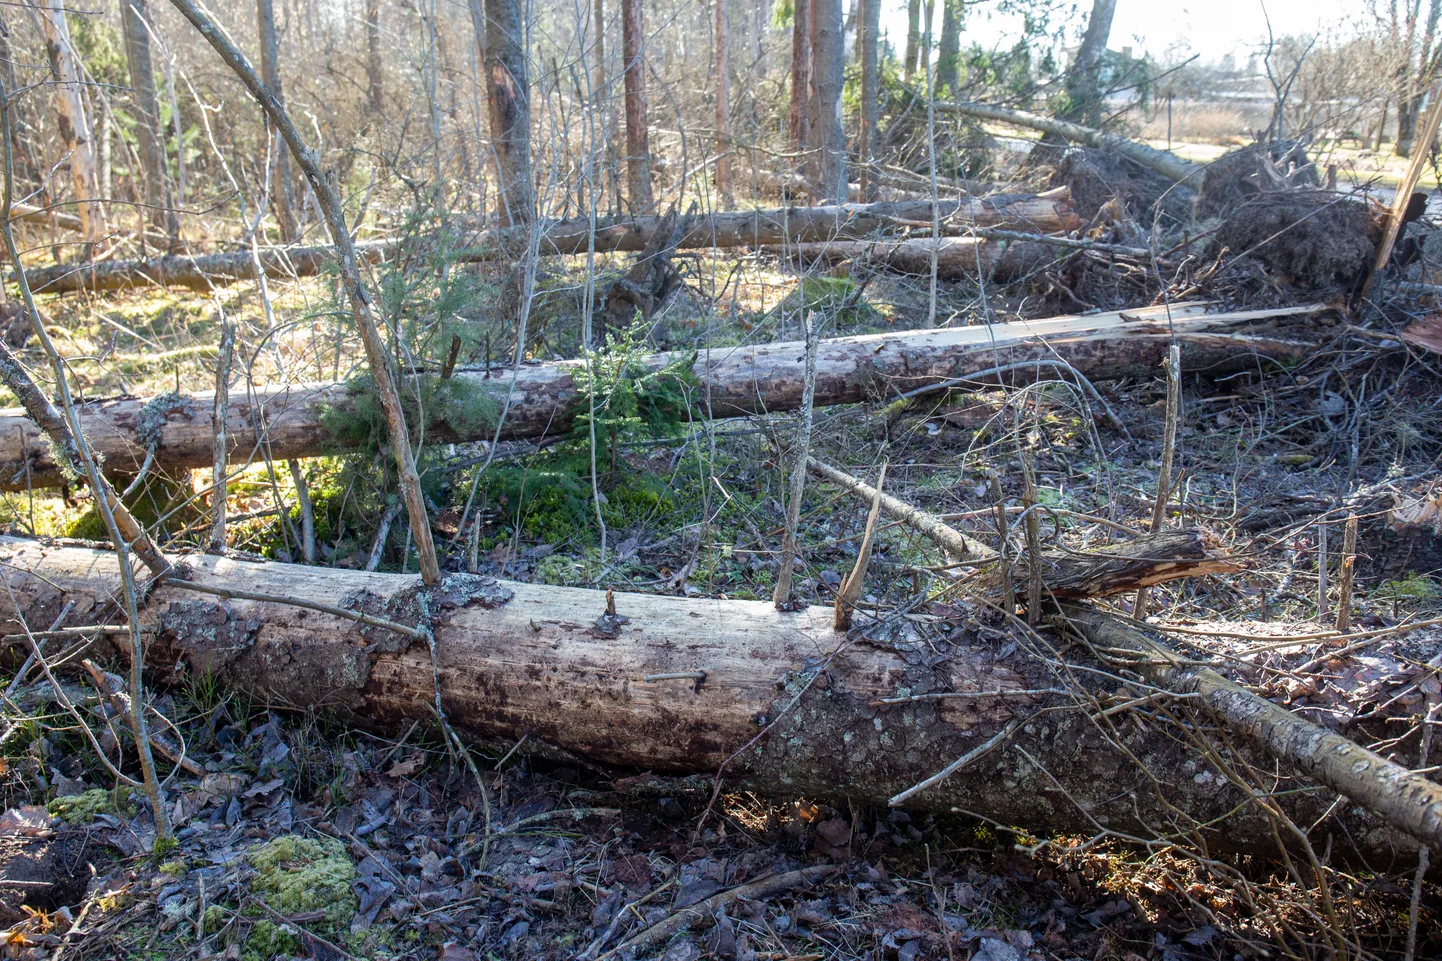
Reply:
x=828, y=64
x=509, y=92
x=781, y=701
x=740, y=381
x=150, y=144
x=282, y=192
x=1045, y=213
x=638, y=147
x=76, y=132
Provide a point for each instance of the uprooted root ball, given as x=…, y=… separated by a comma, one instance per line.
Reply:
x=1304, y=239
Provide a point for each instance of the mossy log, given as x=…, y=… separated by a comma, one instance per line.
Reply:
x=738, y=381
x=1044, y=213
x=779, y=701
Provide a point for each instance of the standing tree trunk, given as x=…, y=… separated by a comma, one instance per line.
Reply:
x=950, y=52
x=800, y=73
x=74, y=122
x=1084, y=83
x=829, y=65
x=147, y=126
x=375, y=85
x=723, y=104
x=282, y=193
x=638, y=148
x=866, y=36
x=510, y=96
x=913, y=36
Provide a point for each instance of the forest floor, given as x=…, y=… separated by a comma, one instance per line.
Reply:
x=298, y=837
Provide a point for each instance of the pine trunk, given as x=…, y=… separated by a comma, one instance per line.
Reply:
x=76, y=132
x=777, y=702
x=509, y=92
x=638, y=146
x=739, y=382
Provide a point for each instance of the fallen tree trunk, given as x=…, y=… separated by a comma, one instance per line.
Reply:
x=28, y=212
x=739, y=381
x=956, y=257
x=1046, y=213
x=780, y=700
x=1408, y=802
x=1162, y=161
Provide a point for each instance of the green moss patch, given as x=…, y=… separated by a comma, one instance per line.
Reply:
x=86, y=807
x=299, y=875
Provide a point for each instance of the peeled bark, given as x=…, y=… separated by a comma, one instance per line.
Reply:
x=1047, y=213
x=1162, y=161
x=738, y=381
x=638, y=146
x=75, y=129
x=512, y=658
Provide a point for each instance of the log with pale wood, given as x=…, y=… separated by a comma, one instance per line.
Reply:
x=739, y=381
x=1043, y=213
x=687, y=686
x=1163, y=162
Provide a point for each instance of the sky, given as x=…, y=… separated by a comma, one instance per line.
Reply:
x=1211, y=28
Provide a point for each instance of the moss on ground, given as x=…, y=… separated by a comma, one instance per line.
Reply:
x=299, y=875
x=86, y=807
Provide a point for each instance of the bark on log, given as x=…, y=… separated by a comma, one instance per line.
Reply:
x=1162, y=161
x=781, y=700
x=1049, y=213
x=740, y=381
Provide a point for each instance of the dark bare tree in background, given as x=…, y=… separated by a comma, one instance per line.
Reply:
x=149, y=140
x=283, y=198
x=638, y=143
x=509, y=92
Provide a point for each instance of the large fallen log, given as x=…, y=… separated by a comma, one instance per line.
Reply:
x=739, y=381
x=1163, y=162
x=1046, y=213
x=780, y=701
x=1408, y=802
x=956, y=257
